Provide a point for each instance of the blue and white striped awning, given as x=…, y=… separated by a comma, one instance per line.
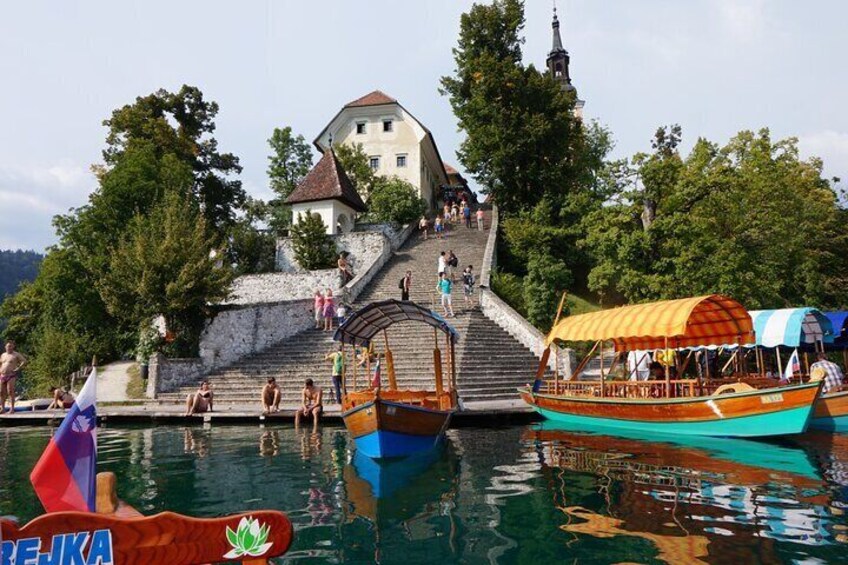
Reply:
x=791, y=327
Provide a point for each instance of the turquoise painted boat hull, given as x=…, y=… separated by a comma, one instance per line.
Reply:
x=784, y=422
x=830, y=424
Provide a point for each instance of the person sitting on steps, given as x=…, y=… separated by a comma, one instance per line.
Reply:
x=271, y=396
x=312, y=403
x=200, y=401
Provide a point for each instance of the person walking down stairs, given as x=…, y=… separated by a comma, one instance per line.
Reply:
x=480, y=219
x=405, y=285
x=444, y=288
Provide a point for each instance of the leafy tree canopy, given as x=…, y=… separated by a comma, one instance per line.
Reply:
x=354, y=161
x=750, y=219
x=396, y=201
x=289, y=162
x=313, y=248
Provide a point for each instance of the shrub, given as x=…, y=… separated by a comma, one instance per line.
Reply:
x=395, y=201
x=313, y=248
x=543, y=286
x=510, y=288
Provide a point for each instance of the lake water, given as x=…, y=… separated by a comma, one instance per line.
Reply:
x=530, y=494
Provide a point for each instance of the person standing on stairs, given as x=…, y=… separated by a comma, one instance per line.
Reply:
x=453, y=263
x=479, y=219
x=405, y=285
x=423, y=224
x=439, y=227
x=338, y=360
x=443, y=265
x=468, y=285
x=466, y=215
x=329, y=310
x=318, y=304
x=444, y=288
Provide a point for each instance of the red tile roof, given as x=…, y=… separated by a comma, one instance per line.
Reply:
x=375, y=98
x=327, y=181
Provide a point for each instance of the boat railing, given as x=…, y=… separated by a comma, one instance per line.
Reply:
x=677, y=388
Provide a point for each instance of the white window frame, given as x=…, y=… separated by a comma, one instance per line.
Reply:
x=405, y=158
x=371, y=160
x=391, y=124
x=364, y=127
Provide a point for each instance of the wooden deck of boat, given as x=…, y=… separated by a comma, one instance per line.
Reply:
x=496, y=412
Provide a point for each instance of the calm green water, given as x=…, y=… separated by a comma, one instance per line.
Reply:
x=512, y=495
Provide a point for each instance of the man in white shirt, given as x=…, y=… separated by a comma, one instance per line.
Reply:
x=442, y=264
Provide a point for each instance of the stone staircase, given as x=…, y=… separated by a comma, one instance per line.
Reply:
x=490, y=362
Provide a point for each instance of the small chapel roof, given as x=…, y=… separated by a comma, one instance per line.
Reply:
x=327, y=181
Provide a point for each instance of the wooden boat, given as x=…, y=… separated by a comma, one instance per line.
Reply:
x=675, y=406
x=390, y=422
x=118, y=534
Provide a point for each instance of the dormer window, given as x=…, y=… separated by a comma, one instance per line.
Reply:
x=388, y=126
x=360, y=128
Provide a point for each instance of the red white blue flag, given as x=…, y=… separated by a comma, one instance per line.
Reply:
x=64, y=477
x=792, y=367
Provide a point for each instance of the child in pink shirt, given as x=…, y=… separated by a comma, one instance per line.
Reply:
x=319, y=309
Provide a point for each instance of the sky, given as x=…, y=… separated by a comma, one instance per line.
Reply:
x=714, y=66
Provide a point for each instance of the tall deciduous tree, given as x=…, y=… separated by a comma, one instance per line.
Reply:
x=520, y=131
x=165, y=265
x=354, y=161
x=289, y=161
x=313, y=248
x=750, y=219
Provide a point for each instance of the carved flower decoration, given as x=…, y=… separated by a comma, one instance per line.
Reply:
x=250, y=539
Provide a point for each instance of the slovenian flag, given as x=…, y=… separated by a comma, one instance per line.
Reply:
x=64, y=477
x=792, y=367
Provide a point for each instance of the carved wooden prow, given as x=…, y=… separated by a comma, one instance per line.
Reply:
x=107, y=501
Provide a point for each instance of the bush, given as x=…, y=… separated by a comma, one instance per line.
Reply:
x=313, y=248
x=510, y=288
x=395, y=201
x=543, y=286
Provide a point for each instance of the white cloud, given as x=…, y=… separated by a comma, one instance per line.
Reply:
x=31, y=195
x=832, y=147
x=744, y=19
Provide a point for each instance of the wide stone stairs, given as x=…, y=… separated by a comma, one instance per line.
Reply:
x=490, y=362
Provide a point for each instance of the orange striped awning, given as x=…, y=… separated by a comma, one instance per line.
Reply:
x=687, y=322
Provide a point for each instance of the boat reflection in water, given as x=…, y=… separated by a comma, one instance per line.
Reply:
x=418, y=492
x=688, y=496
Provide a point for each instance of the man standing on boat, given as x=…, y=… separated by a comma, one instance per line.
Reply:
x=827, y=370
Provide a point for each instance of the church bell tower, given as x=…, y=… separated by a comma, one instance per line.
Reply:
x=558, y=62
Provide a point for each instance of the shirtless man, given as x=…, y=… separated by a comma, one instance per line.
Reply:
x=10, y=365
x=312, y=403
x=271, y=397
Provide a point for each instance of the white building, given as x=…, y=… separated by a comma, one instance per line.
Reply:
x=397, y=144
x=327, y=191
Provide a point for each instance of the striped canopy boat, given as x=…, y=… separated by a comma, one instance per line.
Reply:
x=678, y=406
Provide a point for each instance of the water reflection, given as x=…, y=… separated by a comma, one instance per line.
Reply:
x=691, y=494
x=509, y=495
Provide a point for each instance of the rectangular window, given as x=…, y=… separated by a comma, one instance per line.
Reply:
x=388, y=125
x=374, y=162
x=401, y=161
x=360, y=128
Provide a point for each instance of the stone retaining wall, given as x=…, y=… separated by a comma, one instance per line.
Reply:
x=506, y=317
x=257, y=317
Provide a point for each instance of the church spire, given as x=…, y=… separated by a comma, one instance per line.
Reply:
x=557, y=43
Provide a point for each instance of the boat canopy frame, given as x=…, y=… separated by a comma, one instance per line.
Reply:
x=703, y=320
x=363, y=325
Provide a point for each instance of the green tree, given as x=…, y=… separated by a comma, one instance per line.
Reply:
x=181, y=124
x=165, y=266
x=289, y=162
x=545, y=282
x=749, y=219
x=354, y=160
x=313, y=248
x=252, y=249
x=395, y=200
x=520, y=131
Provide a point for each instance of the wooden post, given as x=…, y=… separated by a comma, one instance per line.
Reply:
x=845, y=359
x=344, y=370
x=355, y=365
x=453, y=364
x=603, y=384
x=390, y=363
x=807, y=362
x=779, y=363
x=585, y=360
x=437, y=362
x=667, y=379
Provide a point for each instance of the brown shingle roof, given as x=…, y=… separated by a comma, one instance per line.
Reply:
x=375, y=98
x=450, y=170
x=327, y=181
